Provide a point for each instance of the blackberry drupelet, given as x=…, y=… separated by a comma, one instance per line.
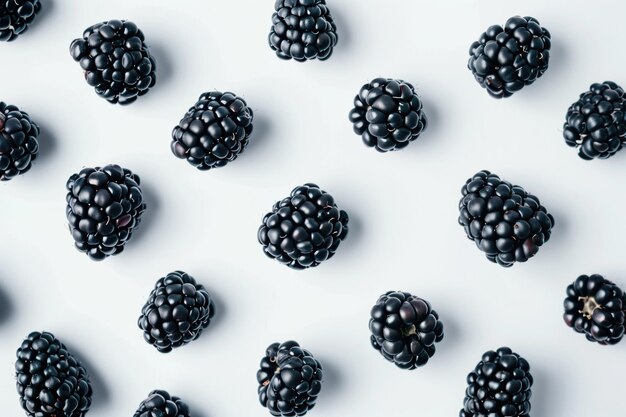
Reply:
x=302, y=30
x=405, y=329
x=161, y=404
x=388, y=114
x=50, y=381
x=504, y=221
x=16, y=16
x=596, y=123
x=19, y=145
x=506, y=59
x=304, y=229
x=116, y=61
x=177, y=311
x=290, y=379
x=214, y=131
x=596, y=307
x=104, y=206
x=499, y=386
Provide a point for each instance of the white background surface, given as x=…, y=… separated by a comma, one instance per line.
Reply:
x=403, y=206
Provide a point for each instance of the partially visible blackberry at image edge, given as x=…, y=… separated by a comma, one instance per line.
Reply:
x=505, y=222
x=161, y=404
x=214, y=132
x=116, y=60
x=506, y=59
x=596, y=123
x=302, y=30
x=16, y=16
x=19, y=144
x=596, y=307
x=388, y=114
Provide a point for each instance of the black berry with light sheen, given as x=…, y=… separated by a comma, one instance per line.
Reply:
x=388, y=114
x=161, y=404
x=50, y=381
x=508, y=224
x=506, y=59
x=499, y=386
x=304, y=229
x=104, y=206
x=16, y=16
x=177, y=311
x=596, y=123
x=19, y=144
x=116, y=60
x=214, y=132
x=290, y=379
x=405, y=329
x=596, y=307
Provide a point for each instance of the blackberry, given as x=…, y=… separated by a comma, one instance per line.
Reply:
x=596, y=307
x=50, y=381
x=19, y=145
x=304, y=229
x=596, y=123
x=388, y=114
x=161, y=404
x=504, y=221
x=104, y=206
x=290, y=379
x=177, y=311
x=405, y=329
x=16, y=16
x=214, y=131
x=500, y=385
x=506, y=59
x=116, y=61
x=302, y=30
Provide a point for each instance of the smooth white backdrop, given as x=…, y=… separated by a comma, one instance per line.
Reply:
x=403, y=206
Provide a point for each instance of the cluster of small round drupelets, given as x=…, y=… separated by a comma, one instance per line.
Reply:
x=105, y=205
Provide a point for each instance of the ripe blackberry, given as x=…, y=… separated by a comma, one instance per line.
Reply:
x=596, y=123
x=302, y=30
x=104, y=205
x=50, y=381
x=16, y=16
x=214, y=131
x=161, y=404
x=596, y=307
x=19, y=145
x=405, y=329
x=504, y=221
x=304, y=229
x=290, y=379
x=177, y=311
x=388, y=114
x=500, y=385
x=505, y=59
x=116, y=61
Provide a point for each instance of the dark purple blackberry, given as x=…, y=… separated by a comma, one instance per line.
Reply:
x=304, y=229
x=290, y=379
x=214, y=131
x=19, y=145
x=596, y=123
x=302, y=30
x=50, y=381
x=506, y=59
x=104, y=206
x=161, y=404
x=116, y=61
x=405, y=329
x=596, y=307
x=16, y=16
x=506, y=223
x=499, y=386
x=388, y=114
x=177, y=311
